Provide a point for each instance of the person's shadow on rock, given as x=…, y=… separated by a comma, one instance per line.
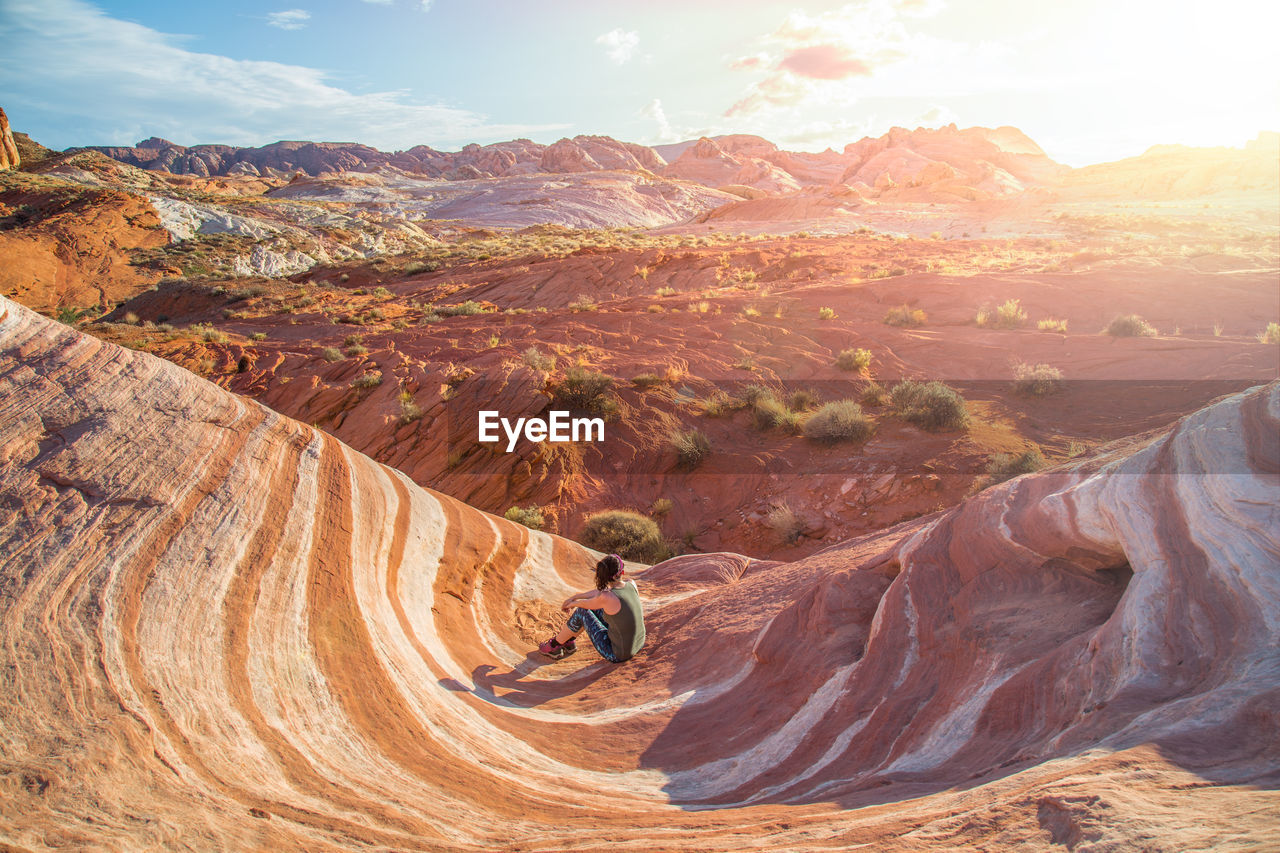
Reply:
x=524, y=692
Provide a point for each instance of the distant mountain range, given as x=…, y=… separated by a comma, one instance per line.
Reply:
x=973, y=162
x=945, y=164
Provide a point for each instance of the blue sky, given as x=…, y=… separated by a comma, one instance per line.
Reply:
x=1090, y=80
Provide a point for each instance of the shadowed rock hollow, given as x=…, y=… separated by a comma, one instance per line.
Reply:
x=225, y=629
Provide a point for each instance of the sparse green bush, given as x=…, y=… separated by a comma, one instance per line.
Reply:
x=630, y=534
x=826, y=313
x=1052, y=325
x=717, y=405
x=353, y=340
x=929, y=405
x=857, y=360
x=537, y=360
x=257, y=336
x=372, y=379
x=585, y=389
x=768, y=412
x=530, y=516
x=72, y=316
x=381, y=292
x=357, y=349
x=1036, y=380
x=1130, y=326
x=1270, y=335
x=1006, y=466
x=753, y=392
x=841, y=420
x=905, y=315
x=1007, y=316
x=647, y=380
x=874, y=395
x=463, y=309
x=691, y=447
x=409, y=410
x=585, y=302
x=252, y=291
x=802, y=399
x=417, y=267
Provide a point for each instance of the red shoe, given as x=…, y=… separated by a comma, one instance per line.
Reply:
x=555, y=650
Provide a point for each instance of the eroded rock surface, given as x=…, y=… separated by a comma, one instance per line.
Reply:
x=9, y=158
x=225, y=629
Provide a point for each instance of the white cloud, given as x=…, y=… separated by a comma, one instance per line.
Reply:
x=426, y=5
x=380, y=2
x=290, y=19
x=830, y=56
x=620, y=45
x=653, y=110
x=118, y=81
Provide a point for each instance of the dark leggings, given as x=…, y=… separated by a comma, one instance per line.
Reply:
x=597, y=630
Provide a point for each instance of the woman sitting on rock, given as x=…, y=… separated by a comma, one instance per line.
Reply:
x=610, y=613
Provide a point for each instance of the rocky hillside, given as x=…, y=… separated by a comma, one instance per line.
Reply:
x=518, y=157
x=225, y=629
x=971, y=163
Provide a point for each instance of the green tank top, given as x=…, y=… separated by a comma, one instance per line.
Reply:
x=626, y=627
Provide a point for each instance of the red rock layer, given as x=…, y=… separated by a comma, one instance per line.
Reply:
x=9, y=158
x=224, y=629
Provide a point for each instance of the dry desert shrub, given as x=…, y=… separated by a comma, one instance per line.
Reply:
x=905, y=315
x=1036, y=380
x=630, y=534
x=372, y=379
x=855, y=360
x=841, y=420
x=1006, y=466
x=1270, y=335
x=782, y=519
x=586, y=389
x=645, y=381
x=463, y=309
x=331, y=354
x=537, y=360
x=717, y=404
x=691, y=447
x=802, y=400
x=1130, y=326
x=410, y=411
x=874, y=395
x=1010, y=315
x=826, y=313
x=929, y=405
x=1052, y=325
x=768, y=412
x=530, y=516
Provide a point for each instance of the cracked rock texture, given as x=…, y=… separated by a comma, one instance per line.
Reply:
x=223, y=629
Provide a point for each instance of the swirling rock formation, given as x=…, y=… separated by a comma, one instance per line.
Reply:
x=223, y=629
x=9, y=158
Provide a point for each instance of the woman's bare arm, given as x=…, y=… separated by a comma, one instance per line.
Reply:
x=592, y=599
